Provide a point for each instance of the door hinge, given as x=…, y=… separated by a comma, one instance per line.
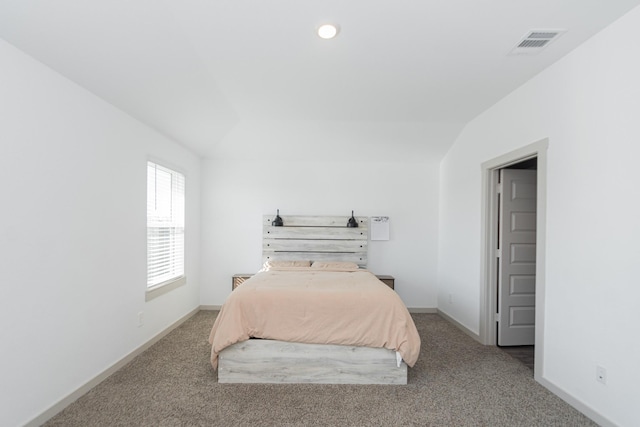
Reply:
x=496, y=317
x=499, y=188
x=498, y=253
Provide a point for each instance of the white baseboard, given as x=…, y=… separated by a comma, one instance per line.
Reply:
x=576, y=403
x=411, y=309
x=460, y=326
x=75, y=395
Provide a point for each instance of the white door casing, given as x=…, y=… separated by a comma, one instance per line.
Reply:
x=517, y=258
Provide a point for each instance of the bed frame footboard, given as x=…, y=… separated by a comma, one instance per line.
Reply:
x=269, y=361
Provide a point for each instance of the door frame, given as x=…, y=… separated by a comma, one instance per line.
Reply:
x=488, y=269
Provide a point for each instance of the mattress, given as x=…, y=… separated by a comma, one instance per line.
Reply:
x=319, y=307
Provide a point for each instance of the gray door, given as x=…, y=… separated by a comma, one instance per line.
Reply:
x=517, y=258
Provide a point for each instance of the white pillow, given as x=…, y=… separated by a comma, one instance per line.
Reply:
x=335, y=266
x=277, y=264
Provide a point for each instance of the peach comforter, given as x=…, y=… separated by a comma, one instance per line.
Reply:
x=322, y=307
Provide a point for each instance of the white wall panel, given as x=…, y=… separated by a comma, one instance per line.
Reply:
x=73, y=236
x=587, y=105
x=238, y=193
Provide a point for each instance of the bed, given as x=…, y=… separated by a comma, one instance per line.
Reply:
x=313, y=314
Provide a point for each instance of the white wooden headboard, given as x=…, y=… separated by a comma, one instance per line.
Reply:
x=315, y=238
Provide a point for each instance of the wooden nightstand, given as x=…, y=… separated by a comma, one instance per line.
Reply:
x=387, y=280
x=238, y=279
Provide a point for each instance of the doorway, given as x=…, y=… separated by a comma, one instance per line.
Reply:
x=533, y=158
x=516, y=253
x=516, y=260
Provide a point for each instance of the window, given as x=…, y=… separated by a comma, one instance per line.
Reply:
x=165, y=227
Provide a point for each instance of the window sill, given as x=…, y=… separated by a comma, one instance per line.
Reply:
x=164, y=287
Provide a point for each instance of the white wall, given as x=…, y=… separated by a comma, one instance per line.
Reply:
x=73, y=236
x=238, y=193
x=588, y=105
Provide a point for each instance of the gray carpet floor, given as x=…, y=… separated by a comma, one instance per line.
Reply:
x=524, y=353
x=456, y=382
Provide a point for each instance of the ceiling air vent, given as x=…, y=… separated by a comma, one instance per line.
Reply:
x=536, y=40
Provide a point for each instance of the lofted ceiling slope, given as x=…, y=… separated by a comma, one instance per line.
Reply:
x=222, y=77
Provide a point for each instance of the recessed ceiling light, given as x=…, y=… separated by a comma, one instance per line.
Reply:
x=327, y=31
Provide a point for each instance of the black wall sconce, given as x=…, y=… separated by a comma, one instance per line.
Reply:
x=277, y=221
x=352, y=222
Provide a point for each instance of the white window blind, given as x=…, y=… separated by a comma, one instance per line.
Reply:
x=165, y=225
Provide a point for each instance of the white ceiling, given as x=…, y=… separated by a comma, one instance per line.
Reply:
x=211, y=73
